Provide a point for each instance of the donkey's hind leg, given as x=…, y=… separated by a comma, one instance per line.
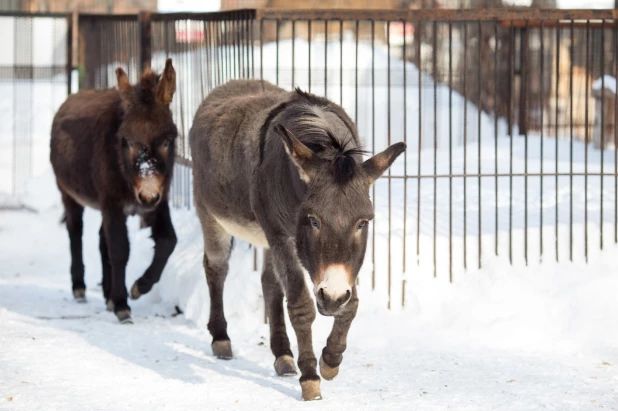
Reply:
x=273, y=298
x=217, y=248
x=74, y=220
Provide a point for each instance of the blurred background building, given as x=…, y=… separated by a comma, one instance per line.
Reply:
x=132, y=6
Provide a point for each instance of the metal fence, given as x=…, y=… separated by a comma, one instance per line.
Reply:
x=498, y=108
x=509, y=116
x=34, y=80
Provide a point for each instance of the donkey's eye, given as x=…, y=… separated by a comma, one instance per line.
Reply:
x=314, y=222
x=361, y=225
x=127, y=142
x=166, y=143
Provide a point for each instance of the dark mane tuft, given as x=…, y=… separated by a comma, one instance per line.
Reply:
x=145, y=89
x=311, y=98
x=306, y=119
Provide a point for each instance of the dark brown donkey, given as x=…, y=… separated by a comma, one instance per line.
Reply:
x=113, y=150
x=283, y=170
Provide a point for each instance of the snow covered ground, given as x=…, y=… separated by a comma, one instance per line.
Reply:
x=516, y=338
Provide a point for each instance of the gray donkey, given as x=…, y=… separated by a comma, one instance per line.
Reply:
x=284, y=171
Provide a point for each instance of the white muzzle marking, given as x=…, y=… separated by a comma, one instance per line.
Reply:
x=336, y=282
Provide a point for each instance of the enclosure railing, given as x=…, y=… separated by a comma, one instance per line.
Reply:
x=34, y=80
x=508, y=114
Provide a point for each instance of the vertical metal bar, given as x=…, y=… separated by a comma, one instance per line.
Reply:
x=356, y=77
x=277, y=52
x=238, y=42
x=542, y=95
x=586, y=137
x=615, y=137
x=220, y=53
x=523, y=90
x=325, y=58
x=511, y=69
x=293, y=52
x=69, y=52
x=252, y=48
x=405, y=156
x=420, y=140
x=523, y=104
x=602, y=151
x=557, y=218
x=309, y=41
x=245, y=46
x=496, y=240
x=572, y=54
x=450, y=150
x=222, y=59
x=388, y=105
x=233, y=46
x=478, y=126
x=261, y=49
x=465, y=147
x=435, y=144
x=341, y=62
x=208, y=45
x=356, y=94
x=373, y=149
x=229, y=49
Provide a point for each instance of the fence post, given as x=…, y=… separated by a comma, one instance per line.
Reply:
x=145, y=39
x=523, y=79
x=70, y=23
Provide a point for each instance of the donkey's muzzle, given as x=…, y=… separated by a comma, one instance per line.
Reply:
x=148, y=202
x=331, y=303
x=149, y=190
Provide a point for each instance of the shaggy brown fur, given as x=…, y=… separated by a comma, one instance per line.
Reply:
x=113, y=150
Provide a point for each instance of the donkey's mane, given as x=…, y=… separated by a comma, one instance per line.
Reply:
x=146, y=87
x=306, y=119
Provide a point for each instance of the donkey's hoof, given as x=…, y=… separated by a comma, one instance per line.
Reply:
x=109, y=306
x=311, y=389
x=222, y=349
x=80, y=295
x=135, y=294
x=124, y=316
x=327, y=372
x=284, y=366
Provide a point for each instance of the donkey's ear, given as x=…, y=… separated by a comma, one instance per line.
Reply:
x=167, y=84
x=126, y=90
x=303, y=158
x=378, y=164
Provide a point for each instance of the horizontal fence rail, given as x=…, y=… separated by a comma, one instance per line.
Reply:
x=508, y=115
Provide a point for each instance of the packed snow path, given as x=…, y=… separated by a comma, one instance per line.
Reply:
x=501, y=338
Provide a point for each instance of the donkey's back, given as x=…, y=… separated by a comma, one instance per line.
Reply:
x=224, y=143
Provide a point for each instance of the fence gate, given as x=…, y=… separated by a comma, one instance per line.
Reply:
x=34, y=81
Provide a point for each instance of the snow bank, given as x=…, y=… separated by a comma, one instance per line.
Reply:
x=561, y=308
x=367, y=104
x=606, y=81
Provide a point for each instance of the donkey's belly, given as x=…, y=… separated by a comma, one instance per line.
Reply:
x=81, y=199
x=249, y=232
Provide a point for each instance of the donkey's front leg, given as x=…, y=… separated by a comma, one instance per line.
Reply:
x=332, y=354
x=301, y=310
x=273, y=299
x=115, y=229
x=165, y=241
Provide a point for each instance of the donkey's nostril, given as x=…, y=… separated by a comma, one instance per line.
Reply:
x=322, y=296
x=155, y=199
x=141, y=198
